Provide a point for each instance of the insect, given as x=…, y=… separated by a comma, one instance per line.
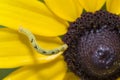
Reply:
x=37, y=47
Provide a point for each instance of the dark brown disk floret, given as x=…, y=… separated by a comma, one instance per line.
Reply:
x=94, y=46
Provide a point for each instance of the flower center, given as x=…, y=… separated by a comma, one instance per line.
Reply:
x=94, y=46
x=103, y=57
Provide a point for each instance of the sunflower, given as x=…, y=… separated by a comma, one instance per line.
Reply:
x=91, y=34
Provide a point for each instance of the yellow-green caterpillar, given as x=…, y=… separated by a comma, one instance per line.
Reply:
x=35, y=45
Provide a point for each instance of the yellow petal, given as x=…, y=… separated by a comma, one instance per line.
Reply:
x=92, y=5
x=113, y=6
x=15, y=49
x=54, y=70
x=65, y=9
x=79, y=8
x=71, y=76
x=33, y=15
x=118, y=78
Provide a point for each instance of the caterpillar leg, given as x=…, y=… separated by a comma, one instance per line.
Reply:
x=38, y=48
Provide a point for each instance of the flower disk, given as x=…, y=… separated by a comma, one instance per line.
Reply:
x=94, y=46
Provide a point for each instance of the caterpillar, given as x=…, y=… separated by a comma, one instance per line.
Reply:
x=37, y=47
